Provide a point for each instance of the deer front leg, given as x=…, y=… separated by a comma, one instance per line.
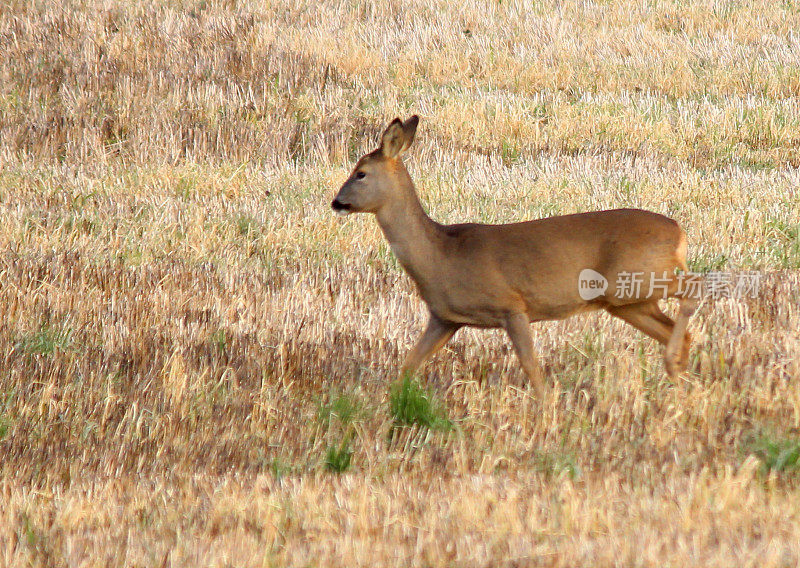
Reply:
x=433, y=338
x=518, y=328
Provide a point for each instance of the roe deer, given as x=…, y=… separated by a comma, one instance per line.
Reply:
x=511, y=275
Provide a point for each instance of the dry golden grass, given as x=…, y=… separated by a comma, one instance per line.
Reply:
x=188, y=331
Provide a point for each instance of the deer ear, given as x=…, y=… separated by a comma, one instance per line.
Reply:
x=398, y=136
x=393, y=139
x=410, y=129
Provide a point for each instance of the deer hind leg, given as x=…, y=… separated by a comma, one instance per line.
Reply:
x=432, y=339
x=648, y=318
x=676, y=356
x=518, y=328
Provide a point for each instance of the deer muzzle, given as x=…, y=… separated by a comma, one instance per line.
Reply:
x=341, y=209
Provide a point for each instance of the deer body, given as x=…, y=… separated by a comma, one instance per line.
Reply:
x=510, y=275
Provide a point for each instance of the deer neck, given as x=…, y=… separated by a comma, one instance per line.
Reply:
x=413, y=236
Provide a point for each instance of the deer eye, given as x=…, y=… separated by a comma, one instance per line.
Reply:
x=360, y=175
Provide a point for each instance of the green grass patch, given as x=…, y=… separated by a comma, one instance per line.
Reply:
x=338, y=459
x=3, y=428
x=344, y=407
x=784, y=242
x=781, y=455
x=46, y=340
x=246, y=225
x=410, y=404
x=279, y=468
x=337, y=414
x=556, y=463
x=221, y=340
x=705, y=264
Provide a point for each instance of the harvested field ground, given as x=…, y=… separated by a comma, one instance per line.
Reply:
x=198, y=362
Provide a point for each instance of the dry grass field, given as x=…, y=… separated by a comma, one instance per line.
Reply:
x=198, y=363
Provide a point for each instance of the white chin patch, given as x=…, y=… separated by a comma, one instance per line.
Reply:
x=343, y=212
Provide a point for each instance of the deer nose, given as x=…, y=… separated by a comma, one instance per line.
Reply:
x=337, y=205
